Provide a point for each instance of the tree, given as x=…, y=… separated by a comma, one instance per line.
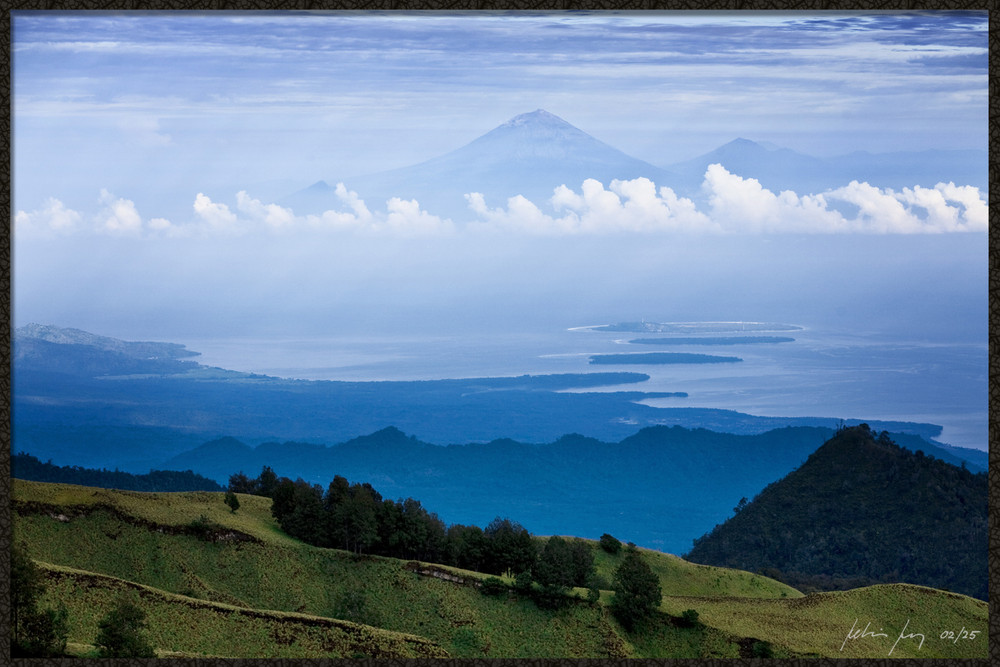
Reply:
x=240, y=483
x=510, y=547
x=610, y=544
x=34, y=632
x=232, y=501
x=637, y=590
x=120, y=633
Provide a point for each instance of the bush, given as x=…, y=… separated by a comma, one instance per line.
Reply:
x=610, y=544
x=120, y=633
x=204, y=528
x=689, y=618
x=493, y=586
x=762, y=649
x=523, y=582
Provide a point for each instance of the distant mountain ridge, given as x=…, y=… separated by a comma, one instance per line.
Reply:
x=863, y=510
x=529, y=155
x=533, y=153
x=686, y=478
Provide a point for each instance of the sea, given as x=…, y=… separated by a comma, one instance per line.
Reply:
x=823, y=372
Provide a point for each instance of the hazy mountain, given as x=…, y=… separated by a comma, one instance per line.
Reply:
x=531, y=155
x=49, y=349
x=862, y=509
x=138, y=350
x=661, y=487
x=776, y=168
x=780, y=169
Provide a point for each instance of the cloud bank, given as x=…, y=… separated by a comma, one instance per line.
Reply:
x=729, y=204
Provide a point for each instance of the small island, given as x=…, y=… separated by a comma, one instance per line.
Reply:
x=712, y=340
x=661, y=358
x=695, y=327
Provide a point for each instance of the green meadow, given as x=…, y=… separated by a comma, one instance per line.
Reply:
x=217, y=583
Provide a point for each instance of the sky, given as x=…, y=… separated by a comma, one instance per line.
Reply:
x=150, y=151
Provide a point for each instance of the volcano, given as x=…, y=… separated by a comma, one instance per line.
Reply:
x=529, y=155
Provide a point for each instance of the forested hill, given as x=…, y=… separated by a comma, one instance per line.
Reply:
x=860, y=510
x=25, y=466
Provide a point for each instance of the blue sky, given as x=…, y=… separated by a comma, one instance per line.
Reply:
x=180, y=103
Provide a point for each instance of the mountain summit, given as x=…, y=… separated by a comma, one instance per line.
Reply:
x=531, y=154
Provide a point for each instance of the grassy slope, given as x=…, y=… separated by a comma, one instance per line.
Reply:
x=178, y=625
x=819, y=623
x=275, y=572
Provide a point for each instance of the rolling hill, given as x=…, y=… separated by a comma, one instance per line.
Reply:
x=253, y=592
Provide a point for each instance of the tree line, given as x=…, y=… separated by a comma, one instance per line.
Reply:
x=26, y=466
x=355, y=517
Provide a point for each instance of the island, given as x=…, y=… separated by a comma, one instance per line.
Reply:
x=712, y=340
x=661, y=358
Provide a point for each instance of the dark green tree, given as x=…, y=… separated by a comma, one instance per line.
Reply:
x=232, y=501
x=240, y=483
x=121, y=633
x=510, y=547
x=34, y=632
x=637, y=590
x=610, y=544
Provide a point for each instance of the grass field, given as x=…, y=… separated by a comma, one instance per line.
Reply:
x=259, y=593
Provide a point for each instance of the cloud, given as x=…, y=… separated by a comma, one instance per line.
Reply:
x=624, y=206
x=119, y=216
x=740, y=205
x=270, y=214
x=401, y=217
x=53, y=217
x=943, y=208
x=218, y=216
x=729, y=204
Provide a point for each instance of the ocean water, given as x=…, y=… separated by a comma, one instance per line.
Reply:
x=823, y=373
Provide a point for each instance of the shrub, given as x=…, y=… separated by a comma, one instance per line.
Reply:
x=689, y=618
x=610, y=544
x=493, y=586
x=120, y=633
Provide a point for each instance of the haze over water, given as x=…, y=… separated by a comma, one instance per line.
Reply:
x=820, y=374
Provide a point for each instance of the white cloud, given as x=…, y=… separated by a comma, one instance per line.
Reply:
x=731, y=204
x=944, y=208
x=218, y=216
x=624, y=206
x=270, y=214
x=53, y=217
x=119, y=216
x=406, y=217
x=740, y=205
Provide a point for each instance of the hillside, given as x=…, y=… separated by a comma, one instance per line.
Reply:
x=862, y=509
x=253, y=591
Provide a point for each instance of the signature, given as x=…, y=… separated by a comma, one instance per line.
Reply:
x=856, y=633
